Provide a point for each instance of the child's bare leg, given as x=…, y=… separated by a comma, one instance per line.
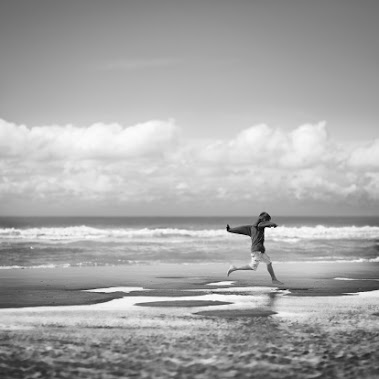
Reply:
x=234, y=268
x=272, y=273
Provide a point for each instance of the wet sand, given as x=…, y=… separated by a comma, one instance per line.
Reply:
x=199, y=324
x=49, y=287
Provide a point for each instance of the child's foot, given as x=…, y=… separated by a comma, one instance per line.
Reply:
x=277, y=282
x=231, y=269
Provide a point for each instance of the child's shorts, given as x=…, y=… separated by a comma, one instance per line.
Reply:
x=257, y=257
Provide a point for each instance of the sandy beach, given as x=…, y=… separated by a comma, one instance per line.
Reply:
x=190, y=321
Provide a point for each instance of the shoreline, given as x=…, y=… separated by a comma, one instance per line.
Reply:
x=64, y=286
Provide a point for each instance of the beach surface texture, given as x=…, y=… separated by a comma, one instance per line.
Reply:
x=166, y=320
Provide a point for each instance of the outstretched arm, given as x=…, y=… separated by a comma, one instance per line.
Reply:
x=267, y=224
x=245, y=229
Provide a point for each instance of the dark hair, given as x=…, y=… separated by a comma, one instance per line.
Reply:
x=264, y=215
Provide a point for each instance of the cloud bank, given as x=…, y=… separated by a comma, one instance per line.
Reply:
x=151, y=163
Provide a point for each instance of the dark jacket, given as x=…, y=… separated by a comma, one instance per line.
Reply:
x=256, y=232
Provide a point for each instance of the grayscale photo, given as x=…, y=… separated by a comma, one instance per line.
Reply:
x=189, y=189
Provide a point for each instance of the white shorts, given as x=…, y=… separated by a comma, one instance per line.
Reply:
x=257, y=257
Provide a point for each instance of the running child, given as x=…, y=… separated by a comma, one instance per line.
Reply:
x=257, y=234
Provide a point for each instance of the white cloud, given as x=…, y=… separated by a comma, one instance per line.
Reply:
x=151, y=163
x=316, y=184
x=307, y=145
x=366, y=156
x=98, y=141
x=259, y=143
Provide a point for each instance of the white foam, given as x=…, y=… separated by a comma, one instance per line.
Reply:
x=360, y=260
x=354, y=279
x=64, y=265
x=374, y=294
x=75, y=233
x=226, y=283
x=284, y=233
x=321, y=232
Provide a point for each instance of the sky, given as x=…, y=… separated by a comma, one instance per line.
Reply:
x=211, y=107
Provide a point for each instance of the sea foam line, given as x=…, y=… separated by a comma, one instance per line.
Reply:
x=283, y=233
x=96, y=264
x=354, y=279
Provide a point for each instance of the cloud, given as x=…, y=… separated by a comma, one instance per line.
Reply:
x=366, y=156
x=308, y=145
x=371, y=186
x=98, y=141
x=151, y=163
x=320, y=184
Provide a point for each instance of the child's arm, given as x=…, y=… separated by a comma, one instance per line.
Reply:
x=246, y=229
x=267, y=224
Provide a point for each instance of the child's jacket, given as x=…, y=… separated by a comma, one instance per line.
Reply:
x=256, y=233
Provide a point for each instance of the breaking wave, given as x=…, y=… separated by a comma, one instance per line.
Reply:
x=88, y=233
x=286, y=234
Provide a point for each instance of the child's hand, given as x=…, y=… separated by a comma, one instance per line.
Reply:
x=227, y=227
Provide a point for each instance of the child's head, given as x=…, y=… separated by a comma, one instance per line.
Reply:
x=264, y=216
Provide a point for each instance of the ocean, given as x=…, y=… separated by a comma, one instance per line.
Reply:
x=32, y=242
